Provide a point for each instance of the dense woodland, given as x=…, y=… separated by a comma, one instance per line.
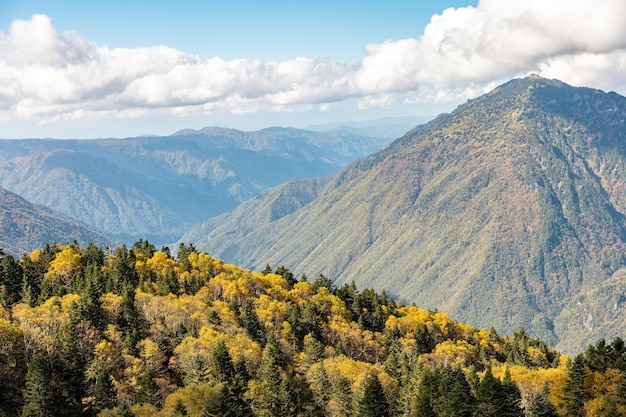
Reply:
x=140, y=332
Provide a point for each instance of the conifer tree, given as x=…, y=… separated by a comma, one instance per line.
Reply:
x=320, y=385
x=539, y=405
x=250, y=321
x=286, y=404
x=456, y=395
x=148, y=388
x=424, y=404
x=341, y=395
x=38, y=394
x=511, y=396
x=221, y=364
x=574, y=392
x=372, y=402
x=489, y=398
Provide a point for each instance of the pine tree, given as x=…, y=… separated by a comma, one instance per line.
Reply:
x=372, y=402
x=179, y=409
x=224, y=404
x=319, y=386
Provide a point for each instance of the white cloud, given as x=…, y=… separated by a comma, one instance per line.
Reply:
x=46, y=75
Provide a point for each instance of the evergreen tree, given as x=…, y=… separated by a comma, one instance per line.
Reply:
x=179, y=409
x=372, y=402
x=69, y=366
x=574, y=392
x=250, y=321
x=39, y=398
x=11, y=276
x=512, y=398
x=456, y=398
x=341, y=395
x=89, y=307
x=93, y=256
x=539, y=405
x=148, y=389
x=489, y=396
x=287, y=276
x=183, y=254
x=286, y=404
x=221, y=364
x=424, y=404
x=319, y=386
x=323, y=281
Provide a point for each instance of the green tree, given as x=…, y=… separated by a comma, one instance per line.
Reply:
x=286, y=404
x=148, y=388
x=39, y=397
x=372, y=402
x=539, y=405
x=424, y=403
x=221, y=364
x=11, y=276
x=574, y=392
x=489, y=396
x=341, y=396
x=511, y=396
x=250, y=321
x=287, y=275
x=455, y=395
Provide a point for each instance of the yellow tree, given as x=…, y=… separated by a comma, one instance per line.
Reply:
x=65, y=266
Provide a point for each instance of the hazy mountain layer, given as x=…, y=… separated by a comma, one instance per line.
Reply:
x=507, y=212
x=25, y=227
x=157, y=187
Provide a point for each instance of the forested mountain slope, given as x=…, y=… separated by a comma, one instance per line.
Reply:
x=137, y=332
x=25, y=227
x=507, y=212
x=157, y=187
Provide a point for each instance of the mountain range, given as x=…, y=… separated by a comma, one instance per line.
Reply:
x=507, y=212
x=25, y=227
x=158, y=187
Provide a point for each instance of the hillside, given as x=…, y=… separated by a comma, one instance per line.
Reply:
x=25, y=227
x=507, y=212
x=138, y=332
x=157, y=187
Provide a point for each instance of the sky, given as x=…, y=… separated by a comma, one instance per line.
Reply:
x=81, y=69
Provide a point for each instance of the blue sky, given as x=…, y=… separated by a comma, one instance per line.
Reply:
x=124, y=68
x=269, y=30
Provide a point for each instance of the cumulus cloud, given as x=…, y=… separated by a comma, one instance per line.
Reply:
x=48, y=75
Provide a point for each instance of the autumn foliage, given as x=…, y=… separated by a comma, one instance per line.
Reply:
x=86, y=331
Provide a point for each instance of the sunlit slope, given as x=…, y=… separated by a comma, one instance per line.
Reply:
x=501, y=213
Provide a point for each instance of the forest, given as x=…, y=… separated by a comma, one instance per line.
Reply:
x=136, y=331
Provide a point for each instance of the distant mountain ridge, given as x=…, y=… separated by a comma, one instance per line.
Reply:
x=388, y=127
x=25, y=227
x=157, y=187
x=507, y=212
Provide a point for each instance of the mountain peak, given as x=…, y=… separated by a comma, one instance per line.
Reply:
x=506, y=212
